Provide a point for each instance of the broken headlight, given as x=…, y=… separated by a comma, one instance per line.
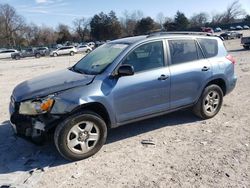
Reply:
x=38, y=106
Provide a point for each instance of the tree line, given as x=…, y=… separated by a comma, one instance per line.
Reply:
x=14, y=31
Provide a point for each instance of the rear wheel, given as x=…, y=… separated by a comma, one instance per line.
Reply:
x=209, y=103
x=71, y=53
x=37, y=55
x=80, y=136
x=88, y=51
x=55, y=54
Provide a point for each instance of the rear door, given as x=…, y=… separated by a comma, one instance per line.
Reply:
x=189, y=71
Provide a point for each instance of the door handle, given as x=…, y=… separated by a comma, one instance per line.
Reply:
x=163, y=77
x=205, y=68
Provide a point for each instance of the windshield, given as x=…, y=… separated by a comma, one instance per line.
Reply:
x=99, y=59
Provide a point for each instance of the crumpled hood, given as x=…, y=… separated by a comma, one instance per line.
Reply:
x=49, y=84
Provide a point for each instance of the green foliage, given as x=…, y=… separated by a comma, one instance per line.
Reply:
x=105, y=27
x=181, y=21
x=144, y=26
x=247, y=19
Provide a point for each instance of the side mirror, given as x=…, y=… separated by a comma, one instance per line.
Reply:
x=125, y=70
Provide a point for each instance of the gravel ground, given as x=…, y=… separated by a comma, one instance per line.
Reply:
x=187, y=151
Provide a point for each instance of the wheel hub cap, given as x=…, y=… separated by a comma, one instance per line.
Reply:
x=211, y=102
x=83, y=137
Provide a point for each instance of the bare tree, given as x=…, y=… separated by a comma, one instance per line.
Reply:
x=199, y=20
x=160, y=19
x=233, y=12
x=217, y=18
x=81, y=28
x=11, y=23
x=129, y=21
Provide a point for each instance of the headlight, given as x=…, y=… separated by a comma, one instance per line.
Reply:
x=35, y=107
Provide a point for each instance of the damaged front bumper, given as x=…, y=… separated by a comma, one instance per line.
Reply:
x=31, y=126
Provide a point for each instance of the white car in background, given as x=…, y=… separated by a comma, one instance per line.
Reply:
x=91, y=45
x=4, y=54
x=65, y=50
x=84, y=48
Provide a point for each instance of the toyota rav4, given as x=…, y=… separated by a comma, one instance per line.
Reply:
x=123, y=81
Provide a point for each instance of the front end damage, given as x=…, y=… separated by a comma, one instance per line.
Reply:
x=34, y=127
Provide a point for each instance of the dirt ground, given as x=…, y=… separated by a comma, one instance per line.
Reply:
x=188, y=152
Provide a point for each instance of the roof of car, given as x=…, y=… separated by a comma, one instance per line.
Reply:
x=129, y=40
x=161, y=35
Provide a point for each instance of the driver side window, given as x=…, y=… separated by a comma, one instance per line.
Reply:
x=146, y=57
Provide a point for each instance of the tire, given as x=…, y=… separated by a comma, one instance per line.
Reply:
x=37, y=55
x=71, y=53
x=88, y=51
x=17, y=57
x=209, y=103
x=55, y=54
x=73, y=139
x=246, y=47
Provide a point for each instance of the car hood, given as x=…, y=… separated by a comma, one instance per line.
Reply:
x=50, y=83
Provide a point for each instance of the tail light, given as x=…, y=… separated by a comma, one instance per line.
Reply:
x=231, y=58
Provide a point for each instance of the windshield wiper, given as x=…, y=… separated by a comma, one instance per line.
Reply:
x=74, y=69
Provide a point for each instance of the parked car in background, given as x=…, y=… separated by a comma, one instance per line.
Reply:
x=231, y=35
x=245, y=41
x=246, y=27
x=66, y=50
x=84, y=48
x=217, y=29
x=238, y=27
x=232, y=28
x=207, y=30
x=237, y=34
x=91, y=45
x=30, y=52
x=121, y=82
x=4, y=54
x=99, y=43
x=44, y=51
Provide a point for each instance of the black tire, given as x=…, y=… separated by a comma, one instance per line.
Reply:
x=88, y=51
x=199, y=108
x=71, y=53
x=55, y=54
x=37, y=55
x=246, y=47
x=17, y=57
x=63, y=130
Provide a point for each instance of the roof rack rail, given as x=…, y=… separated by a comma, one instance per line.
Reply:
x=178, y=33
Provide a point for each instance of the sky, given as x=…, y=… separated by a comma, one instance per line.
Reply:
x=53, y=12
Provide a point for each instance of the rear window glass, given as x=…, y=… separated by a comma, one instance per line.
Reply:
x=209, y=47
x=183, y=51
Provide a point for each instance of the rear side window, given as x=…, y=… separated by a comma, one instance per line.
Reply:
x=183, y=51
x=209, y=47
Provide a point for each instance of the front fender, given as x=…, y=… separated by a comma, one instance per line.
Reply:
x=75, y=98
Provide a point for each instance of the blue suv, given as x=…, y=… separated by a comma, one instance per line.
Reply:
x=120, y=82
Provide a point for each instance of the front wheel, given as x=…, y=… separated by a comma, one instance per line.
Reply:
x=72, y=54
x=209, y=103
x=246, y=47
x=37, y=55
x=17, y=57
x=80, y=136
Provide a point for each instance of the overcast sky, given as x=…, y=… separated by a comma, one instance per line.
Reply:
x=52, y=12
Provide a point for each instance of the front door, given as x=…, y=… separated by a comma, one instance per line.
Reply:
x=147, y=91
